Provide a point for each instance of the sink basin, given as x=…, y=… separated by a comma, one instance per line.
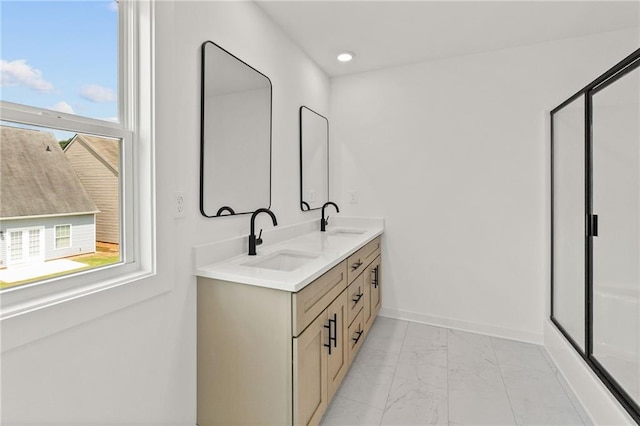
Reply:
x=285, y=260
x=346, y=232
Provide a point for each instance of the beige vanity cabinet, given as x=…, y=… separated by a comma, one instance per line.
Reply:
x=364, y=293
x=320, y=362
x=310, y=373
x=373, y=293
x=268, y=356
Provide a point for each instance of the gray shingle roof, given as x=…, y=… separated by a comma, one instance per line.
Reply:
x=36, y=178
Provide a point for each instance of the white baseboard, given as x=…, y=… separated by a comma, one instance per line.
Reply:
x=473, y=327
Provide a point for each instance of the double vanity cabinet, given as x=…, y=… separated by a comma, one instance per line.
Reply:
x=272, y=356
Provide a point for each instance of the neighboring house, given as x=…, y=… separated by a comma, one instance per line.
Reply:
x=45, y=212
x=96, y=161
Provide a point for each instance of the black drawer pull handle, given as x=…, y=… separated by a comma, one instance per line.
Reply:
x=333, y=337
x=359, y=334
x=374, y=280
x=357, y=298
x=356, y=265
x=335, y=330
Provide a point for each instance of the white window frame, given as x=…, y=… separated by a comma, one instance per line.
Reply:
x=135, y=129
x=55, y=236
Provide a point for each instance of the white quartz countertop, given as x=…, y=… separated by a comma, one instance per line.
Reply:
x=320, y=250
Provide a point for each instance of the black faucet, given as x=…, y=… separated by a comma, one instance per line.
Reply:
x=324, y=222
x=253, y=242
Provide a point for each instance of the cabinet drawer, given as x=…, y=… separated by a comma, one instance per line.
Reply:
x=309, y=302
x=358, y=261
x=356, y=336
x=356, y=297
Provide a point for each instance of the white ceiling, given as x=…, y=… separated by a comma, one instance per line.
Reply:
x=390, y=33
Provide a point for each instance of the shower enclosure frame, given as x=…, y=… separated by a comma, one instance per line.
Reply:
x=627, y=65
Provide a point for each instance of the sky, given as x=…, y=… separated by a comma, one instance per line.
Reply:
x=60, y=55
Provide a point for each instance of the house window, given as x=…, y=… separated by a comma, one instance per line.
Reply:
x=63, y=236
x=34, y=242
x=71, y=130
x=15, y=252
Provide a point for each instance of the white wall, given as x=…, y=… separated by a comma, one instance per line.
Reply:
x=454, y=155
x=134, y=363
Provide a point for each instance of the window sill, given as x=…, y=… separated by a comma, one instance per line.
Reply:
x=25, y=320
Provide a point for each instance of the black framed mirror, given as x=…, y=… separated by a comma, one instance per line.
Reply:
x=235, y=146
x=314, y=159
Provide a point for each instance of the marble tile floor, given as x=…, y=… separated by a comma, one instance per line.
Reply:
x=414, y=374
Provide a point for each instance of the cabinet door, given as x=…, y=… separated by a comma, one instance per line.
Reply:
x=338, y=358
x=310, y=372
x=375, y=275
x=372, y=292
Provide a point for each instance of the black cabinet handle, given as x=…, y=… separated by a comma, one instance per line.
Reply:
x=357, y=298
x=374, y=280
x=359, y=334
x=335, y=330
x=356, y=265
x=332, y=336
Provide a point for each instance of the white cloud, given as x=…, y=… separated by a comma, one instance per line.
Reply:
x=96, y=93
x=62, y=106
x=19, y=73
x=113, y=6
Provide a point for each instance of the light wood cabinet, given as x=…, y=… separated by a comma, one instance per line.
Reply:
x=320, y=362
x=356, y=296
x=362, y=258
x=356, y=336
x=373, y=292
x=310, y=372
x=364, y=293
x=268, y=356
x=338, y=357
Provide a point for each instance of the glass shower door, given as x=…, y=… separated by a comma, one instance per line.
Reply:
x=568, y=233
x=615, y=144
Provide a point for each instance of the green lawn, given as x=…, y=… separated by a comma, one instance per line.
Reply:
x=99, y=258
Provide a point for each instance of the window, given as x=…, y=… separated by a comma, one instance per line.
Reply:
x=73, y=76
x=34, y=242
x=63, y=236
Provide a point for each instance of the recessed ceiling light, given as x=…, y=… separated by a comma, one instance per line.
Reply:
x=346, y=56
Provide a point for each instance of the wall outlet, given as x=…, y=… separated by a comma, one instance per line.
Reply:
x=312, y=195
x=353, y=197
x=179, y=205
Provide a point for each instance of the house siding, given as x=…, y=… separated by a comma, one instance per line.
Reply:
x=82, y=235
x=102, y=185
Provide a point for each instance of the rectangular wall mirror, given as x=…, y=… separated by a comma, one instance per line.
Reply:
x=235, y=150
x=314, y=159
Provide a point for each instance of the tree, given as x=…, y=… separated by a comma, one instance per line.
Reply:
x=64, y=142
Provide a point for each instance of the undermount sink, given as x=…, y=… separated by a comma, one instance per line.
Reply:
x=346, y=232
x=285, y=260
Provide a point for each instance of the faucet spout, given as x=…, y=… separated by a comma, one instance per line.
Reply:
x=252, y=236
x=324, y=222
